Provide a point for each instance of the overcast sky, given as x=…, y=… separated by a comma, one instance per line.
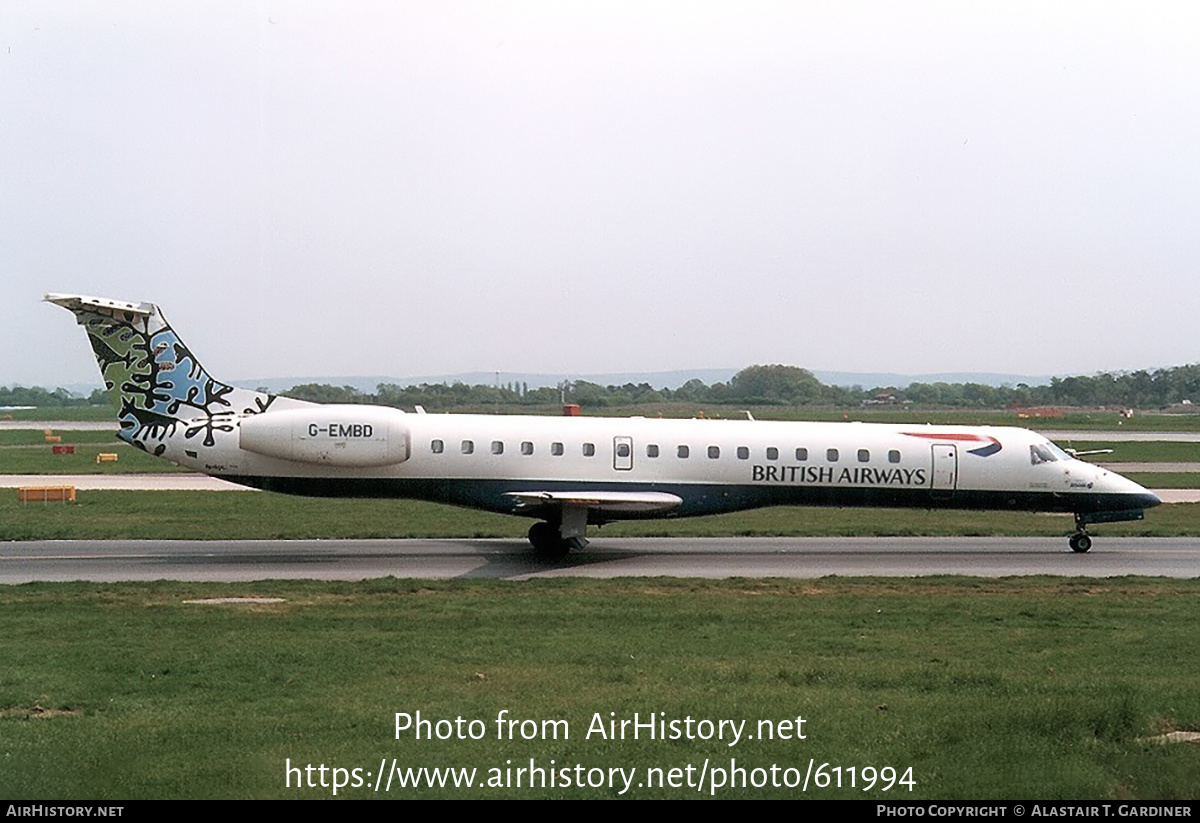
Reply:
x=413, y=188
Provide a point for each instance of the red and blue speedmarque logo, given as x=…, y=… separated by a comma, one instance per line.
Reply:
x=993, y=445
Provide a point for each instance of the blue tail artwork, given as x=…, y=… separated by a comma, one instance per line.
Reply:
x=155, y=383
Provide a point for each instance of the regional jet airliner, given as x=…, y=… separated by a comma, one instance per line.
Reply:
x=569, y=472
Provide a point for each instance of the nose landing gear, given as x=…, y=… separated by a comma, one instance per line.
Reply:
x=1080, y=542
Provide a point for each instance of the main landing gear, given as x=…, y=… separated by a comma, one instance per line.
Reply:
x=1080, y=542
x=552, y=541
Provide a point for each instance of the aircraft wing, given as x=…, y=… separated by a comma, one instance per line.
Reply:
x=615, y=502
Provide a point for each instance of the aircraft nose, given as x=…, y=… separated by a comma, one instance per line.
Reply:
x=1146, y=498
x=1135, y=493
x=1149, y=499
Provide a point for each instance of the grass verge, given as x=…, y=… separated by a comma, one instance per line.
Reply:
x=261, y=515
x=1017, y=688
x=41, y=460
x=37, y=437
x=1134, y=451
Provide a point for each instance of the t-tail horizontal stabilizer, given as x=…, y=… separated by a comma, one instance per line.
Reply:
x=162, y=395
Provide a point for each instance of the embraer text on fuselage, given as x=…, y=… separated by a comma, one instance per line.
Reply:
x=829, y=475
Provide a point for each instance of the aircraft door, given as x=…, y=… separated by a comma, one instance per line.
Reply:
x=945, y=470
x=623, y=453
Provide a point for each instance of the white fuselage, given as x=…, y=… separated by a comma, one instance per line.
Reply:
x=712, y=465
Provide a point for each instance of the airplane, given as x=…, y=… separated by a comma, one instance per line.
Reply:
x=571, y=472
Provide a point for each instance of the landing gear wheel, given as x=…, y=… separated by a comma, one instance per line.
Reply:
x=547, y=542
x=1080, y=542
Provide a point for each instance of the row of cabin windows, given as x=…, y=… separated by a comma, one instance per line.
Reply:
x=652, y=450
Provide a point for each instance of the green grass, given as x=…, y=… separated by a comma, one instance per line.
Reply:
x=42, y=460
x=1107, y=421
x=37, y=437
x=25, y=451
x=1133, y=451
x=261, y=515
x=1019, y=688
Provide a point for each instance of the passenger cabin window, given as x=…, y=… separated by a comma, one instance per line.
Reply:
x=526, y=448
x=714, y=452
x=864, y=456
x=894, y=456
x=801, y=454
x=556, y=449
x=743, y=453
x=497, y=447
x=652, y=450
x=589, y=449
x=437, y=447
x=772, y=453
x=831, y=455
x=468, y=447
x=682, y=452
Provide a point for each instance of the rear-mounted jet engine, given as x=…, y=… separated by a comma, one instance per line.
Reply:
x=330, y=435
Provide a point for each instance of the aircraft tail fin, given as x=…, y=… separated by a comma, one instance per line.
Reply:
x=153, y=379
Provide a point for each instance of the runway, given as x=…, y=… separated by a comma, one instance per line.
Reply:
x=801, y=558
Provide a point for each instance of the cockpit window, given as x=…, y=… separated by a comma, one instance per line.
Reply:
x=1046, y=453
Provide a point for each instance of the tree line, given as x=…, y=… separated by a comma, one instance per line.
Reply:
x=792, y=386
x=37, y=396
x=762, y=385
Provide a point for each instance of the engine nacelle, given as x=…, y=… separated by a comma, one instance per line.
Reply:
x=344, y=435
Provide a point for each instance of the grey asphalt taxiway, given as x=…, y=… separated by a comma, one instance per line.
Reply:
x=810, y=557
